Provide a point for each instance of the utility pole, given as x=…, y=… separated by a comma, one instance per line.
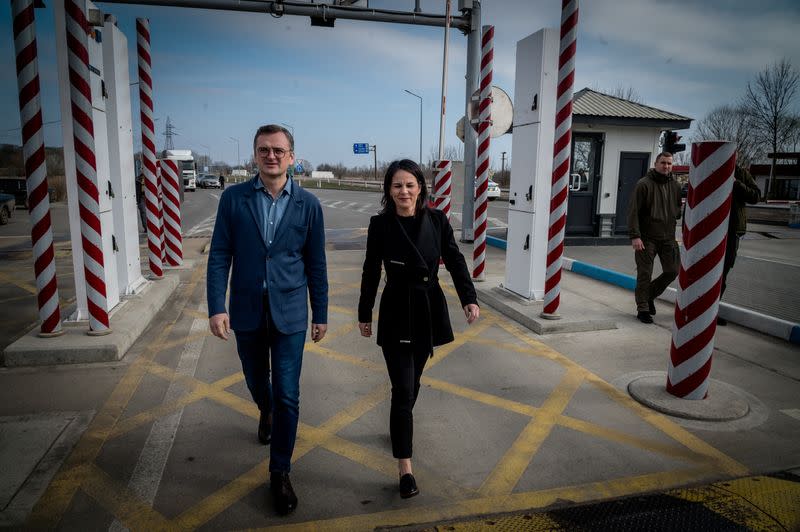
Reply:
x=374, y=149
x=238, y=159
x=420, y=123
x=503, y=164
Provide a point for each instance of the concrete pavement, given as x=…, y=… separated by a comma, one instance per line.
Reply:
x=508, y=421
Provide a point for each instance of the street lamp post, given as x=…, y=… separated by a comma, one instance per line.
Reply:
x=208, y=155
x=290, y=127
x=238, y=160
x=420, y=123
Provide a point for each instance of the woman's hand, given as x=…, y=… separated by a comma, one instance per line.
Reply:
x=472, y=312
x=365, y=328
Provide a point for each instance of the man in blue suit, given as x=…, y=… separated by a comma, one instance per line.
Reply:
x=270, y=232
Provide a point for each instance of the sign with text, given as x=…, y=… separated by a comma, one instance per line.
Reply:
x=361, y=147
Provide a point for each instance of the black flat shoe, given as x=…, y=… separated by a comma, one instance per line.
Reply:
x=264, y=428
x=408, y=486
x=283, y=495
x=644, y=317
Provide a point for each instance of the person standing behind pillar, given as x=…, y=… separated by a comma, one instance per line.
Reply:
x=745, y=190
x=221, y=181
x=140, y=203
x=653, y=212
x=408, y=238
x=270, y=237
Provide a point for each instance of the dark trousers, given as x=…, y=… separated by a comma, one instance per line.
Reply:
x=405, y=371
x=261, y=350
x=142, y=214
x=647, y=289
x=731, y=249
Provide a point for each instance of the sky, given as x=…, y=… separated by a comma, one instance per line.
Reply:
x=219, y=75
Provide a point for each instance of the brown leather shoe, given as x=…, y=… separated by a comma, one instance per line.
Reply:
x=283, y=496
x=265, y=428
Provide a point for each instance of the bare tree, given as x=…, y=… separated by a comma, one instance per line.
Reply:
x=733, y=123
x=768, y=103
x=622, y=92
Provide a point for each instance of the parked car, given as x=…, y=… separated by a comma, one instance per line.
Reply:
x=16, y=186
x=492, y=190
x=7, y=206
x=208, y=181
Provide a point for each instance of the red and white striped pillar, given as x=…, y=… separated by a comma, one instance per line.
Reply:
x=561, y=158
x=163, y=241
x=482, y=170
x=85, y=164
x=443, y=186
x=154, y=221
x=705, y=232
x=30, y=112
x=172, y=211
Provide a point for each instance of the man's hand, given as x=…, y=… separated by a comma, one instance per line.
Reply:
x=318, y=331
x=220, y=325
x=637, y=244
x=365, y=328
x=472, y=312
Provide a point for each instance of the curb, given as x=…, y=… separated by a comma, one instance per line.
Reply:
x=779, y=328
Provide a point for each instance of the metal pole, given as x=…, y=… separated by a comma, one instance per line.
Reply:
x=328, y=11
x=444, y=81
x=470, y=135
x=420, y=123
x=237, y=150
x=375, y=151
x=503, y=164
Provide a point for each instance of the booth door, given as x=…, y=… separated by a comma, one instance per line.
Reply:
x=632, y=166
x=584, y=177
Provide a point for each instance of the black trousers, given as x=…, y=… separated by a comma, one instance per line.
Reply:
x=405, y=371
x=731, y=249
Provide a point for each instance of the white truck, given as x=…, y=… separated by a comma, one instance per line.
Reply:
x=186, y=167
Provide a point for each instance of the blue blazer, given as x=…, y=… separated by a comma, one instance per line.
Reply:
x=296, y=261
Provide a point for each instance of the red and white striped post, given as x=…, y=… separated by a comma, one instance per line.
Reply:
x=443, y=186
x=163, y=243
x=154, y=221
x=172, y=211
x=482, y=170
x=705, y=232
x=85, y=165
x=30, y=113
x=561, y=158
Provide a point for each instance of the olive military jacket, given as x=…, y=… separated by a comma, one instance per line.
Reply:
x=655, y=207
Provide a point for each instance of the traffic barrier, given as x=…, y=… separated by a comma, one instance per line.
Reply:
x=482, y=171
x=561, y=157
x=170, y=182
x=85, y=165
x=442, y=186
x=30, y=113
x=151, y=195
x=705, y=232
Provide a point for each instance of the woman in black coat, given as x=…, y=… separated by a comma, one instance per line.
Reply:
x=408, y=238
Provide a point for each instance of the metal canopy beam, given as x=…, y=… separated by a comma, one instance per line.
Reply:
x=323, y=11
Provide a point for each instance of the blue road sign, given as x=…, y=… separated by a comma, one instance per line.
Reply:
x=360, y=147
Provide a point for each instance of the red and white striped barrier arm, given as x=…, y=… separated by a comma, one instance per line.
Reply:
x=85, y=164
x=482, y=171
x=30, y=113
x=705, y=232
x=443, y=186
x=154, y=222
x=172, y=211
x=561, y=156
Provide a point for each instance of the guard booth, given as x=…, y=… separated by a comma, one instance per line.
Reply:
x=614, y=142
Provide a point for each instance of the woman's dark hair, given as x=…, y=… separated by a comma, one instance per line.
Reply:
x=412, y=168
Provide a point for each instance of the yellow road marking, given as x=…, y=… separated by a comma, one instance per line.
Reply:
x=121, y=502
x=512, y=466
x=195, y=314
x=75, y=470
x=335, y=355
x=19, y=284
x=342, y=310
x=507, y=503
x=357, y=409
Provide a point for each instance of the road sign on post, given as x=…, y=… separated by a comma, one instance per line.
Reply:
x=361, y=148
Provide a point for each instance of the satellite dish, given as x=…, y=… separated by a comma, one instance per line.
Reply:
x=502, y=114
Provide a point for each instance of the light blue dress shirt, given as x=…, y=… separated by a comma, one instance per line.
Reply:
x=272, y=211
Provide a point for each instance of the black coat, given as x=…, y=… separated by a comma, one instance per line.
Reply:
x=413, y=312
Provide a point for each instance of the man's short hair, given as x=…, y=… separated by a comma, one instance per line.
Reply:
x=663, y=154
x=269, y=129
